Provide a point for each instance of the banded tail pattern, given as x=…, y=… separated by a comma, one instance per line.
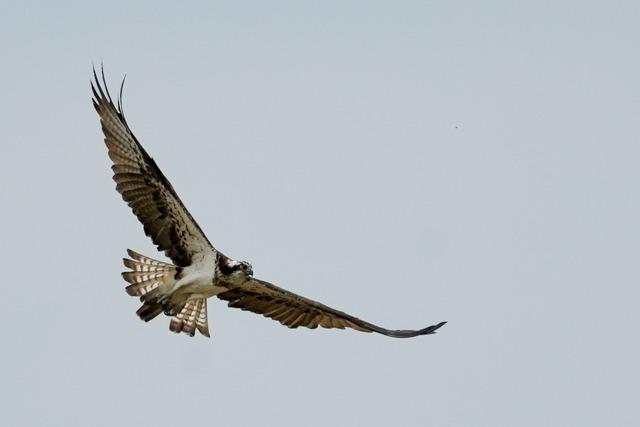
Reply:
x=147, y=274
x=192, y=316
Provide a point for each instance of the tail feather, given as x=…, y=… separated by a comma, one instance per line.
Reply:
x=146, y=260
x=192, y=316
x=147, y=273
x=148, y=278
x=140, y=266
x=149, y=311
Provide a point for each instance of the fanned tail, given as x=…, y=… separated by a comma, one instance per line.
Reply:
x=146, y=276
x=147, y=273
x=192, y=316
x=146, y=279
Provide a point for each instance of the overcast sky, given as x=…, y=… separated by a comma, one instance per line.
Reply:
x=406, y=162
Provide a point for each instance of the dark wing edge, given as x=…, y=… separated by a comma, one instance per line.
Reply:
x=143, y=185
x=294, y=310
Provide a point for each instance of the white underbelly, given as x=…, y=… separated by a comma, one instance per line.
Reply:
x=196, y=291
x=197, y=283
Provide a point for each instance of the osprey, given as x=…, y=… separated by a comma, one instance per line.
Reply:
x=199, y=271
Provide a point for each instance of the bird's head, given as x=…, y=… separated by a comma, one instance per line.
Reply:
x=237, y=271
x=246, y=268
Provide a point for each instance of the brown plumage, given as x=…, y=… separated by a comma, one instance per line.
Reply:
x=147, y=274
x=199, y=271
x=192, y=316
x=144, y=187
x=294, y=310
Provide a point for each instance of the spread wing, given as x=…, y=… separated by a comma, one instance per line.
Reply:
x=144, y=187
x=294, y=310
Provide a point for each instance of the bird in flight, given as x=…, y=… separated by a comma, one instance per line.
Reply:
x=199, y=271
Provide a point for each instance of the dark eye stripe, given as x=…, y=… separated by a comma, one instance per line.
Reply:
x=224, y=265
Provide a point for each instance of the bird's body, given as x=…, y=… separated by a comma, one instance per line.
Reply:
x=198, y=280
x=199, y=271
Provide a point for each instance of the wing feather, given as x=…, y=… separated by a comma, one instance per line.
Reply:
x=294, y=310
x=144, y=187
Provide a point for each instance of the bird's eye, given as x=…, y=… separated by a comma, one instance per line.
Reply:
x=247, y=268
x=241, y=266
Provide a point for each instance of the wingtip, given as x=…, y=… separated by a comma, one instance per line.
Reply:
x=432, y=329
x=429, y=330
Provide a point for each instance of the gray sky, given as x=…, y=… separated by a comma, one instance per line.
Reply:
x=410, y=162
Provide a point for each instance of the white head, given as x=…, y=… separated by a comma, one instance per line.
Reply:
x=235, y=271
